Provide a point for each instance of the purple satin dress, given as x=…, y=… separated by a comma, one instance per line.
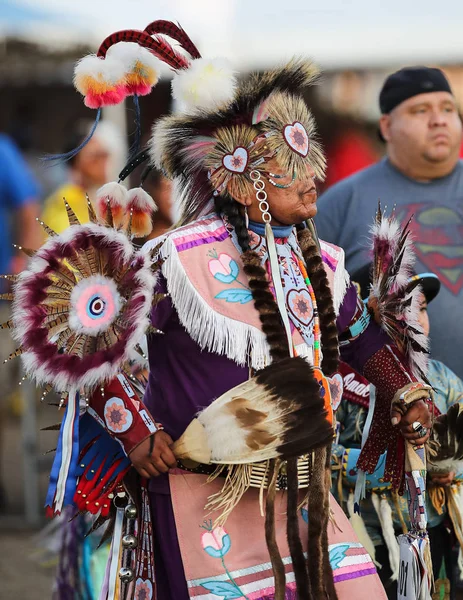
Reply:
x=184, y=379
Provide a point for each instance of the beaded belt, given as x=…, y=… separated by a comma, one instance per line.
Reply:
x=259, y=472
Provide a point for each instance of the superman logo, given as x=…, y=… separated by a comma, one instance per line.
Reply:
x=438, y=236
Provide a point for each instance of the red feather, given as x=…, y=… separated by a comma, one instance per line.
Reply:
x=159, y=47
x=176, y=33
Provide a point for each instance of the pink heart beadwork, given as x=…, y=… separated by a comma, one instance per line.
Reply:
x=336, y=388
x=300, y=305
x=143, y=589
x=296, y=137
x=236, y=162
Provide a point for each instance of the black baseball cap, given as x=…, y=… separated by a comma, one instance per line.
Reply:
x=409, y=82
x=429, y=282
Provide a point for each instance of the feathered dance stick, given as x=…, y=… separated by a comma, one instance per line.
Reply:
x=395, y=301
x=395, y=304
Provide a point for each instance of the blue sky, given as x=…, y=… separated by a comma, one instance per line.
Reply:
x=255, y=32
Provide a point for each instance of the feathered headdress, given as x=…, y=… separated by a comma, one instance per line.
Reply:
x=214, y=152
x=225, y=129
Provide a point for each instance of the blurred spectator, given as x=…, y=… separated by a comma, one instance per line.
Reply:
x=160, y=189
x=91, y=168
x=350, y=152
x=349, y=146
x=23, y=129
x=423, y=176
x=18, y=211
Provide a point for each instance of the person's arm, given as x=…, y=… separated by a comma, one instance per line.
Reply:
x=448, y=391
x=21, y=192
x=29, y=234
x=447, y=385
x=144, y=441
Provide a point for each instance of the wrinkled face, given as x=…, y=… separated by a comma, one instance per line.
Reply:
x=287, y=206
x=423, y=317
x=424, y=128
x=92, y=163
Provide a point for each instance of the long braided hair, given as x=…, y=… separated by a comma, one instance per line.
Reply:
x=313, y=580
x=263, y=298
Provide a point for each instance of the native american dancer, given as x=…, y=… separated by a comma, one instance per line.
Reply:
x=242, y=306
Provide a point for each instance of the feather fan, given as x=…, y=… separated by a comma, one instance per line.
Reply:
x=277, y=414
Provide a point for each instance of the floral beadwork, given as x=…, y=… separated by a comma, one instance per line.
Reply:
x=118, y=418
x=226, y=270
x=217, y=543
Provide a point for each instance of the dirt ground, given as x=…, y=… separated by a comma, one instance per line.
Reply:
x=22, y=576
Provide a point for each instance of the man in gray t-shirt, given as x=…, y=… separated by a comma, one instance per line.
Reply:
x=423, y=176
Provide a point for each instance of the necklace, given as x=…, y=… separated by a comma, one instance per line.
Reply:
x=316, y=329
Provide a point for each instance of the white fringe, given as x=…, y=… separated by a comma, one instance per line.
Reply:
x=209, y=329
x=384, y=512
x=341, y=276
x=358, y=525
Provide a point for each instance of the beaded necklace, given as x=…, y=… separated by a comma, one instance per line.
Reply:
x=316, y=328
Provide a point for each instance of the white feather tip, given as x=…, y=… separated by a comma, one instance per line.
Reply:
x=92, y=70
x=115, y=195
x=205, y=85
x=142, y=207
x=130, y=53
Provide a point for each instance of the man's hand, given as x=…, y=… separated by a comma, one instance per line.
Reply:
x=160, y=460
x=416, y=412
x=441, y=479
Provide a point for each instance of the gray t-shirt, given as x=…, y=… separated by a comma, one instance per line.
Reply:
x=346, y=211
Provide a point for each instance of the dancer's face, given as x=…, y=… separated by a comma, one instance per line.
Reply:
x=423, y=317
x=287, y=206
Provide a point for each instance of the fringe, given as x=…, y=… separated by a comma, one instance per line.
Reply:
x=236, y=484
x=270, y=534
x=214, y=332
x=384, y=512
x=294, y=539
x=341, y=276
x=395, y=498
x=358, y=525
